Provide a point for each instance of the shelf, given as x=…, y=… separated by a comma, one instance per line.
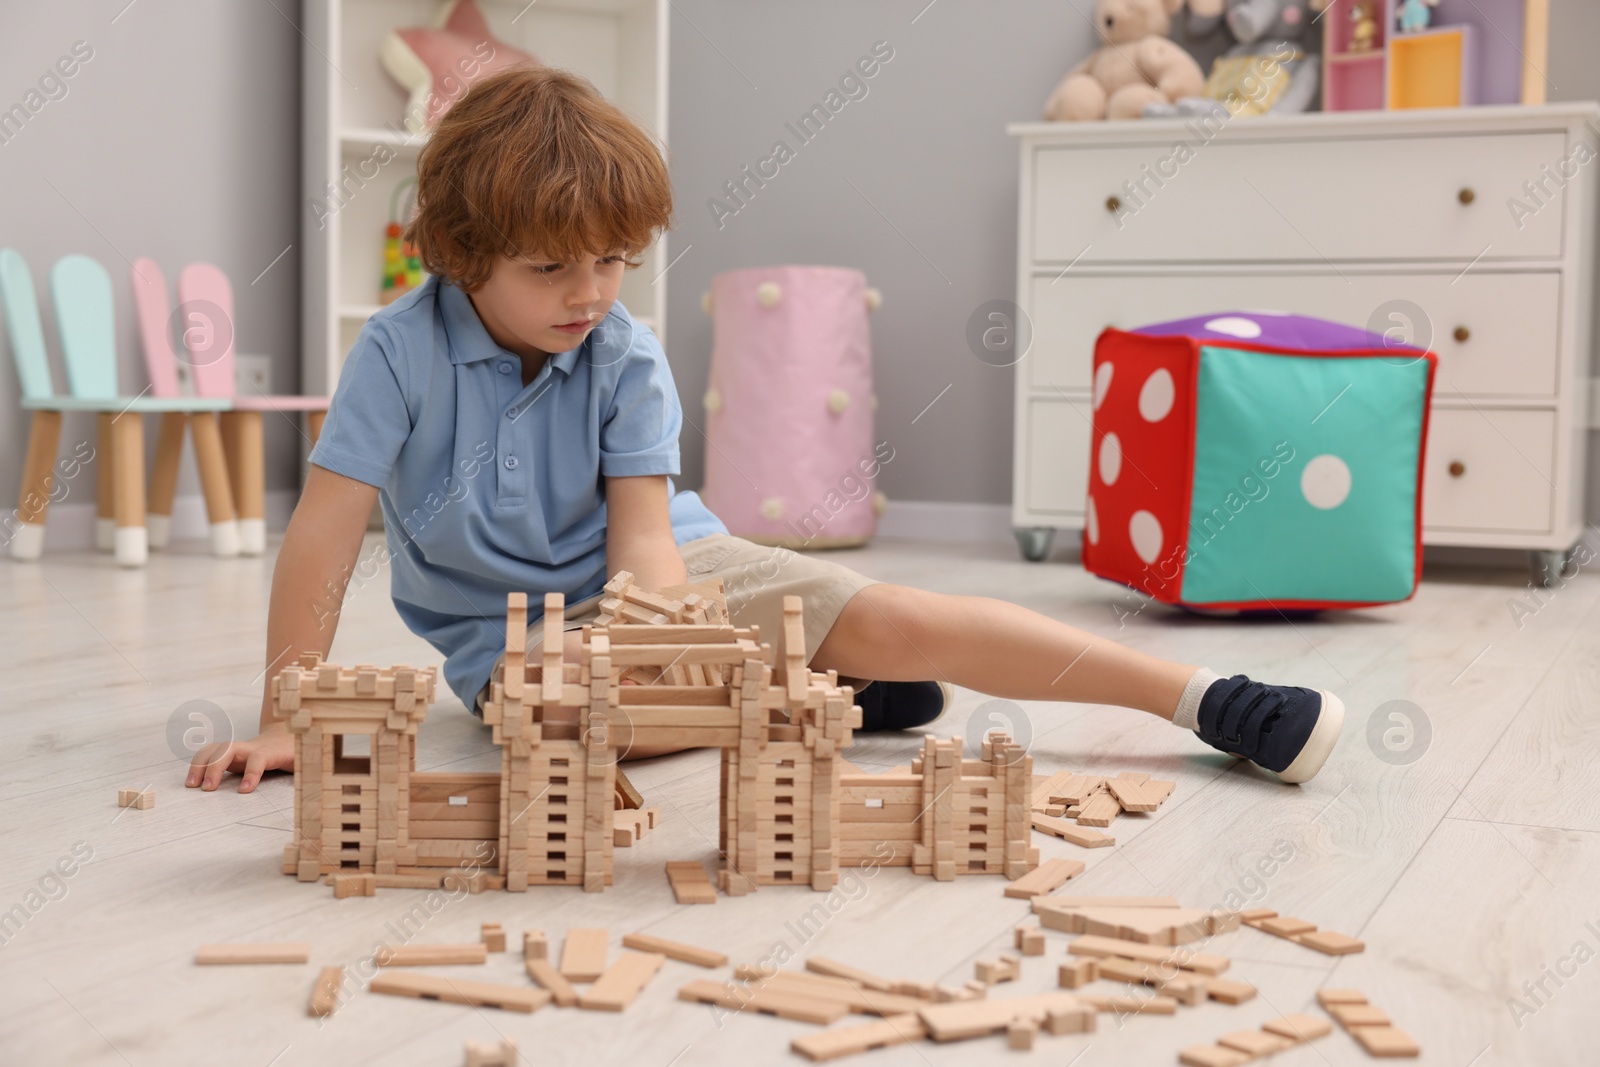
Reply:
x=402, y=141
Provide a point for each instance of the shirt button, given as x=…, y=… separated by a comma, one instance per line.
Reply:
x=511, y=463
x=505, y=368
x=511, y=413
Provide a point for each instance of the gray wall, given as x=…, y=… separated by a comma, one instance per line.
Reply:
x=915, y=184
x=178, y=140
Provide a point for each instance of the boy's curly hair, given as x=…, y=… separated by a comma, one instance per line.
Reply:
x=533, y=161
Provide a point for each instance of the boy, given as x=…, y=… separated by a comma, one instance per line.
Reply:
x=519, y=429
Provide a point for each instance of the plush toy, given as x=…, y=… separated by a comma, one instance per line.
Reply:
x=1137, y=66
x=1267, y=71
x=1414, y=15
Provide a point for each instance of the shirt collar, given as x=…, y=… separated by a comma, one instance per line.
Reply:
x=470, y=341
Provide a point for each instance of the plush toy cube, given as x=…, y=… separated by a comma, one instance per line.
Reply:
x=790, y=457
x=1249, y=460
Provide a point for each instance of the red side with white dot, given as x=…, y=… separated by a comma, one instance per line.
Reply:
x=1141, y=459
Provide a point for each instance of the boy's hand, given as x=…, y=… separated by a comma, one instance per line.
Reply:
x=271, y=750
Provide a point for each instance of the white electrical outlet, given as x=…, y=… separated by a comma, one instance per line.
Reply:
x=252, y=375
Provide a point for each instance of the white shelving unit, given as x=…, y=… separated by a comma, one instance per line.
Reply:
x=357, y=149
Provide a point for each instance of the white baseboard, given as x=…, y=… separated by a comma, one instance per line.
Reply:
x=940, y=522
x=70, y=527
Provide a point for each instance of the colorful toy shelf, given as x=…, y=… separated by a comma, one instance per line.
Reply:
x=1474, y=52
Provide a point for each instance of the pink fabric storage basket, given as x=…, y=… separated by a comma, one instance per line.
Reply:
x=790, y=458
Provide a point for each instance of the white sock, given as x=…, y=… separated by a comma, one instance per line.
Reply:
x=1188, y=713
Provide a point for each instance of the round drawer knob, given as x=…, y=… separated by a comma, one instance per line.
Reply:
x=1457, y=468
x=1462, y=334
x=1113, y=204
x=1466, y=196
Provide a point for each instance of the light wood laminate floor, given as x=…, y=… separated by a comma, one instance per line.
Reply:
x=1471, y=871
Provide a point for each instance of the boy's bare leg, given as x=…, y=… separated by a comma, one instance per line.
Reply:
x=899, y=633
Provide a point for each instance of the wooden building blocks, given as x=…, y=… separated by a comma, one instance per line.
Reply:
x=855, y=998
x=619, y=983
x=583, y=954
x=1242, y=1046
x=1045, y=878
x=500, y=1054
x=1367, y=1024
x=675, y=950
x=325, y=993
x=1154, y=926
x=535, y=946
x=273, y=952
x=547, y=977
x=1070, y=832
x=1079, y=972
x=1091, y=801
x=962, y=1020
x=429, y=955
x=354, y=885
x=1131, y=1005
x=689, y=883
x=1164, y=955
x=785, y=1005
x=1028, y=940
x=136, y=798
x=864, y=979
x=459, y=991
x=1008, y=968
x=793, y=812
x=1327, y=942
x=493, y=937
x=847, y=1041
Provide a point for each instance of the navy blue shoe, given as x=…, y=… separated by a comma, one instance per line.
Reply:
x=901, y=705
x=1288, y=730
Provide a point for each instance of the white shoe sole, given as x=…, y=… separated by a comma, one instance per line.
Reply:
x=1319, y=746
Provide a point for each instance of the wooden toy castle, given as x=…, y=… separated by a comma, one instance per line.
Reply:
x=793, y=811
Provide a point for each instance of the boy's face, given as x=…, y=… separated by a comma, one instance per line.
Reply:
x=534, y=306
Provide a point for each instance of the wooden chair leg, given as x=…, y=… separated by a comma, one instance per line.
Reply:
x=105, y=525
x=38, y=470
x=127, y=461
x=314, y=421
x=164, y=477
x=249, y=488
x=212, y=460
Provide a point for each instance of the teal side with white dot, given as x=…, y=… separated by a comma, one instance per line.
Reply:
x=1305, y=477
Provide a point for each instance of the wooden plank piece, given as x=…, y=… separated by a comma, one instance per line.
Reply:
x=675, y=950
x=459, y=991
x=430, y=955
x=543, y=972
x=258, y=952
x=831, y=1044
x=1179, y=956
x=1071, y=833
x=583, y=954
x=615, y=989
x=767, y=1002
x=1045, y=878
x=325, y=993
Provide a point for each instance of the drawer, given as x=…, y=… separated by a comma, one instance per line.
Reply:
x=1489, y=470
x=1057, y=478
x=1509, y=321
x=1295, y=201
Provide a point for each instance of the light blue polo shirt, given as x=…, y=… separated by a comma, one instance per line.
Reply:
x=488, y=487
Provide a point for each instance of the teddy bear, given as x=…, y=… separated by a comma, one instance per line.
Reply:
x=1137, y=65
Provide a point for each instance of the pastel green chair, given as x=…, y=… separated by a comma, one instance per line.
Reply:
x=85, y=314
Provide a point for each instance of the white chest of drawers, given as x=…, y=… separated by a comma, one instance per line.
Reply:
x=1470, y=230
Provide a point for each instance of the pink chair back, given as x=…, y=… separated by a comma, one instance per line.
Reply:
x=153, y=311
x=205, y=303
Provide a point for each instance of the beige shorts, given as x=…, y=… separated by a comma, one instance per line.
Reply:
x=756, y=578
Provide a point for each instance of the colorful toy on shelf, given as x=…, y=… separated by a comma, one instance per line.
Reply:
x=1266, y=71
x=1363, y=26
x=1414, y=15
x=1250, y=460
x=438, y=63
x=402, y=269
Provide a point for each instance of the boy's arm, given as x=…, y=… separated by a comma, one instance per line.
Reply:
x=308, y=582
x=639, y=532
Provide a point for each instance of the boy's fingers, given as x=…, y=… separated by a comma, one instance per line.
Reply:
x=254, y=765
x=198, y=765
x=218, y=767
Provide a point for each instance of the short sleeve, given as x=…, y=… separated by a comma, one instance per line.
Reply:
x=368, y=419
x=640, y=432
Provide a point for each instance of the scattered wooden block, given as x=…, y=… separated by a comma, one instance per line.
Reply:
x=615, y=989
x=768, y=1002
x=1070, y=832
x=689, y=883
x=1325, y=997
x=260, y=952
x=1211, y=1056
x=493, y=937
x=675, y=950
x=1078, y=972
x=1299, y=1027
x=1386, y=1041
x=1155, y=926
x=459, y=991
x=535, y=946
x=1352, y=1016
x=1045, y=878
x=430, y=955
x=865, y=979
x=1099, y=810
x=354, y=885
x=831, y=1044
x=136, y=798
x=1200, y=962
x=961, y=1020
x=483, y=1054
x=1029, y=940
x=1283, y=926
x=1020, y=1034
x=1251, y=916
x=1229, y=990
x=1255, y=1043
x=1008, y=968
x=325, y=993
x=1126, y=1005
x=1185, y=989
x=822, y=987
x=1115, y=902
x=544, y=973
x=1330, y=943
x=583, y=954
